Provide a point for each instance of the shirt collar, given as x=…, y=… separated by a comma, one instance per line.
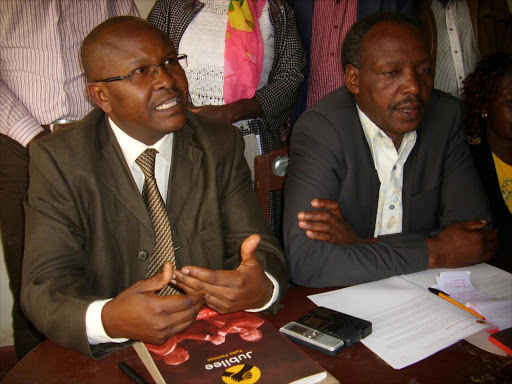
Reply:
x=372, y=133
x=132, y=148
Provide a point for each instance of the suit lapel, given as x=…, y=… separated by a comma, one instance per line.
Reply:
x=186, y=162
x=374, y=183
x=116, y=176
x=368, y=193
x=408, y=180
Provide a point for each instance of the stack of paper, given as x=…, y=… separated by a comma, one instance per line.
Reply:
x=409, y=322
x=457, y=284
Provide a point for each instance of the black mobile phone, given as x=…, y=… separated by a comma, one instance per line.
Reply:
x=327, y=330
x=350, y=329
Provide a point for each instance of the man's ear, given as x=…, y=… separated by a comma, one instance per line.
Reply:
x=99, y=94
x=352, y=79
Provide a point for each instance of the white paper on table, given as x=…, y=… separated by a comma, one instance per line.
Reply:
x=496, y=311
x=408, y=322
x=486, y=286
x=493, y=281
x=458, y=286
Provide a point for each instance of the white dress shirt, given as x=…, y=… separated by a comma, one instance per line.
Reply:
x=389, y=164
x=132, y=149
x=41, y=78
x=457, y=48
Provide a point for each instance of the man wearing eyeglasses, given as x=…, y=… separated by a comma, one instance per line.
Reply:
x=91, y=228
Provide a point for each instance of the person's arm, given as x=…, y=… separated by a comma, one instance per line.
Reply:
x=243, y=283
x=56, y=284
x=16, y=121
x=287, y=74
x=231, y=113
x=317, y=169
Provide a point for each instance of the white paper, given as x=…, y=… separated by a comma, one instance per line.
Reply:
x=496, y=311
x=493, y=281
x=409, y=323
x=488, y=291
x=458, y=286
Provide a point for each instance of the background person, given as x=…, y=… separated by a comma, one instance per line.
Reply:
x=459, y=33
x=323, y=25
x=217, y=76
x=487, y=95
x=41, y=82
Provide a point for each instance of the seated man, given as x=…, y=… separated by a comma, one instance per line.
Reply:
x=385, y=164
x=92, y=236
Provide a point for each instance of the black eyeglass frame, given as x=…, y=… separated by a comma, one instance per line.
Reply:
x=128, y=76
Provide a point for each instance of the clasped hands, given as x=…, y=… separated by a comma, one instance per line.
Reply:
x=460, y=244
x=138, y=313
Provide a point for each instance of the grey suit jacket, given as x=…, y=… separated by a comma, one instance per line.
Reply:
x=331, y=159
x=88, y=230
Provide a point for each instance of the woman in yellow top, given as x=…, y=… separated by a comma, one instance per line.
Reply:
x=487, y=94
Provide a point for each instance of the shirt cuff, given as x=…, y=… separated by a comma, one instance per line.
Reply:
x=25, y=130
x=94, y=326
x=273, y=299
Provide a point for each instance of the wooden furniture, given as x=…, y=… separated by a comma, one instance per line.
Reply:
x=460, y=363
x=269, y=172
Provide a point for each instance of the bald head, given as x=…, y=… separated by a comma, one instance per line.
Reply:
x=104, y=40
x=146, y=110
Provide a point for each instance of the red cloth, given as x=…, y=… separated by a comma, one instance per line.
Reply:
x=331, y=22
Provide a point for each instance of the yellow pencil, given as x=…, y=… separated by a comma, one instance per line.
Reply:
x=447, y=298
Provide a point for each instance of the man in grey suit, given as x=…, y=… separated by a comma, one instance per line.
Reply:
x=89, y=235
x=386, y=166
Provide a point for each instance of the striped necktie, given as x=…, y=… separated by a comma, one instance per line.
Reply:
x=163, y=250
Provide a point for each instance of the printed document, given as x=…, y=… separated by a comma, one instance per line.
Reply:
x=409, y=322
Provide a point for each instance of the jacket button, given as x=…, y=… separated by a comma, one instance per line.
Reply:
x=142, y=255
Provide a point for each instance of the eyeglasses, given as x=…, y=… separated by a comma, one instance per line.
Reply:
x=147, y=73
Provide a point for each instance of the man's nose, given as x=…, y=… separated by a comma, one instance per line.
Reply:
x=163, y=77
x=411, y=83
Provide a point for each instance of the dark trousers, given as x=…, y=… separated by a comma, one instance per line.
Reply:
x=13, y=186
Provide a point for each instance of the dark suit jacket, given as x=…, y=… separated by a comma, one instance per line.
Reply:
x=502, y=217
x=331, y=159
x=88, y=230
x=304, y=10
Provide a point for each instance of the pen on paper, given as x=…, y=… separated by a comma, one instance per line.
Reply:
x=134, y=376
x=447, y=298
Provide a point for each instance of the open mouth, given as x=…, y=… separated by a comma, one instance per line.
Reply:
x=409, y=113
x=168, y=104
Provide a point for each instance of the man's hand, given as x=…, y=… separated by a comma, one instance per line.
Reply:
x=246, y=287
x=328, y=225
x=461, y=244
x=231, y=113
x=139, y=314
x=218, y=112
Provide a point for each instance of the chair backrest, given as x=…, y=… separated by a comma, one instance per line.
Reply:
x=269, y=173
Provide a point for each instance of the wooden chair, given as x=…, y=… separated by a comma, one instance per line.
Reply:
x=269, y=173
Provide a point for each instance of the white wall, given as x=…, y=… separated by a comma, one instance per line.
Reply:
x=6, y=337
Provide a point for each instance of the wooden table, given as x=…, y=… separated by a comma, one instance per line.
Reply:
x=460, y=363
